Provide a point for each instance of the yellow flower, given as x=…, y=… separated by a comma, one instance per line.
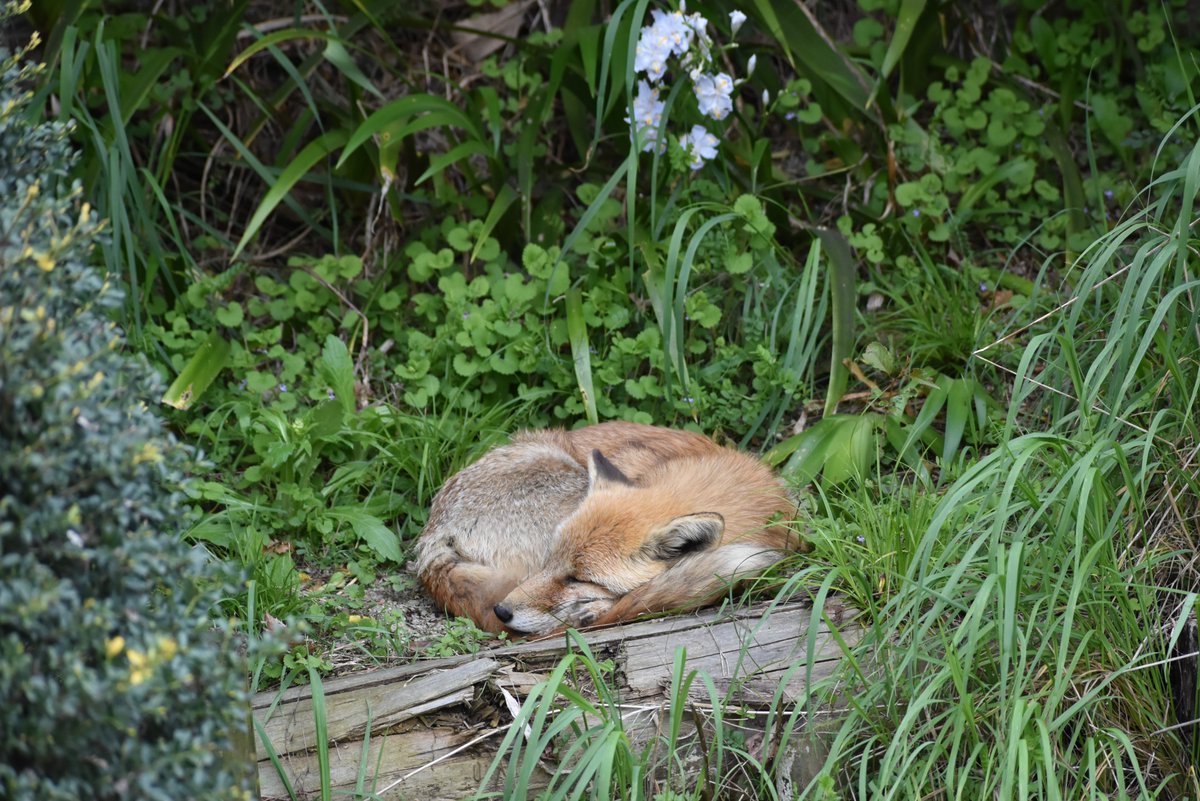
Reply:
x=140, y=667
x=167, y=648
x=148, y=453
x=114, y=646
x=354, y=619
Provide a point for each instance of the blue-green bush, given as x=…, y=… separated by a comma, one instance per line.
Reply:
x=113, y=681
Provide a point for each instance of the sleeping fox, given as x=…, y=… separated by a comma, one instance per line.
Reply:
x=599, y=525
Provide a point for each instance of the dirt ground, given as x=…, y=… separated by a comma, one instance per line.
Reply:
x=401, y=625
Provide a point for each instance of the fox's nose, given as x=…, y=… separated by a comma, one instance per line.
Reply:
x=502, y=612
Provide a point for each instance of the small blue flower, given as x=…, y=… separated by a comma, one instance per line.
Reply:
x=713, y=94
x=647, y=115
x=669, y=34
x=699, y=26
x=466, y=315
x=700, y=145
x=332, y=394
x=283, y=387
x=916, y=212
x=650, y=58
x=1108, y=193
x=861, y=539
x=689, y=400
x=672, y=31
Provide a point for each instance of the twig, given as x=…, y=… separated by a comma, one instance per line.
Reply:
x=1048, y=314
x=447, y=755
x=279, y=23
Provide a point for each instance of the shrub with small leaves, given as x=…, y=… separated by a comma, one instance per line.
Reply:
x=113, y=681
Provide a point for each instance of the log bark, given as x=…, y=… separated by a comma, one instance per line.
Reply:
x=430, y=730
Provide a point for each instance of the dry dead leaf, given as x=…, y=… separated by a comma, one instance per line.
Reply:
x=505, y=22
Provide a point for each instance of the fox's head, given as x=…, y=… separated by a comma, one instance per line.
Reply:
x=621, y=537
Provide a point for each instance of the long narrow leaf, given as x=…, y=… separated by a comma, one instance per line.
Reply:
x=198, y=373
x=841, y=285
x=906, y=22
x=581, y=352
x=399, y=111
x=312, y=153
x=286, y=35
x=456, y=154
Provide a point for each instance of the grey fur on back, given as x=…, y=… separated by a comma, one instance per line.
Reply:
x=497, y=511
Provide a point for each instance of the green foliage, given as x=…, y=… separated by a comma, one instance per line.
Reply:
x=113, y=682
x=403, y=246
x=124, y=97
x=992, y=607
x=842, y=447
x=457, y=330
x=989, y=612
x=461, y=637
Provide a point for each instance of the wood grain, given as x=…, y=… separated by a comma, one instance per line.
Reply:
x=435, y=725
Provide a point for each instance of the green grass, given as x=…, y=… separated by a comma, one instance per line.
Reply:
x=1017, y=621
x=388, y=463
x=1011, y=504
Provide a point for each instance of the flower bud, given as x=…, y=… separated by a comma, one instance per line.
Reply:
x=736, y=18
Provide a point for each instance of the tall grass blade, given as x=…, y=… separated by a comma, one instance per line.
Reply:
x=906, y=21
x=281, y=185
x=196, y=376
x=842, y=272
x=581, y=352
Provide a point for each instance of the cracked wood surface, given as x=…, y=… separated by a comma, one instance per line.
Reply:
x=435, y=725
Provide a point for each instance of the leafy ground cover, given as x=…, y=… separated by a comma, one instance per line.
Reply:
x=934, y=260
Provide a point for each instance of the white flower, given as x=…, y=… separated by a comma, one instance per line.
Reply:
x=766, y=97
x=669, y=34
x=713, y=95
x=650, y=57
x=736, y=18
x=647, y=115
x=700, y=146
x=699, y=26
x=750, y=66
x=672, y=31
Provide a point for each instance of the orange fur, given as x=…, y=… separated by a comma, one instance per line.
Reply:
x=599, y=525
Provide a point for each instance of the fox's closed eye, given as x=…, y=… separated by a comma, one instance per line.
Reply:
x=572, y=580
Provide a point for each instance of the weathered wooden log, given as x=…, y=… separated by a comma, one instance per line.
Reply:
x=430, y=730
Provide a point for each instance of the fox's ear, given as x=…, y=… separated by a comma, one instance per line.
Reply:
x=686, y=535
x=602, y=472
